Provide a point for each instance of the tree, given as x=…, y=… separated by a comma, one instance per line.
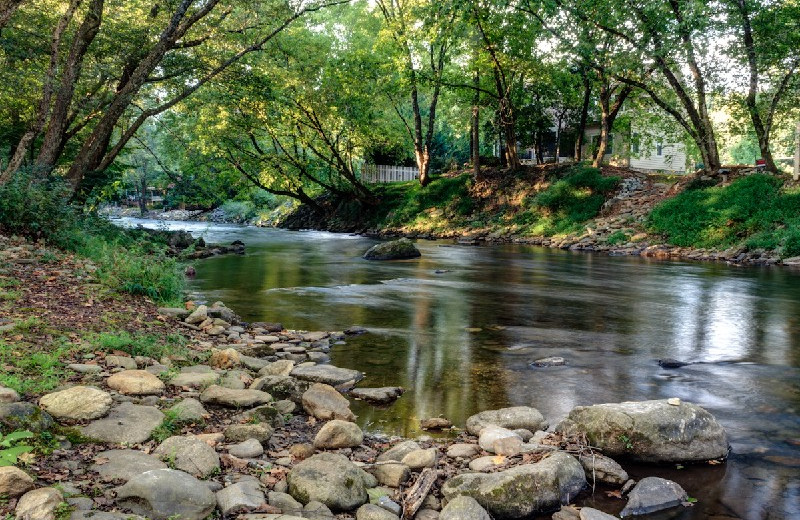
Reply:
x=173, y=52
x=769, y=44
x=423, y=33
x=671, y=38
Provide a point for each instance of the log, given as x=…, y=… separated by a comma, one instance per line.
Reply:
x=415, y=496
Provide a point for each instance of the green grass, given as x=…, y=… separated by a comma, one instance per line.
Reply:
x=127, y=260
x=35, y=372
x=753, y=211
x=617, y=237
x=137, y=344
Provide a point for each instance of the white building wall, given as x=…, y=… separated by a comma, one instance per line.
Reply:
x=671, y=159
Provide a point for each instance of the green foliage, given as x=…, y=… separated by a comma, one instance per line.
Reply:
x=171, y=425
x=574, y=199
x=405, y=202
x=127, y=260
x=138, y=344
x=11, y=449
x=617, y=237
x=753, y=211
x=35, y=372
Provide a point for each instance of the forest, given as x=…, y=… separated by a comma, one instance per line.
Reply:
x=252, y=100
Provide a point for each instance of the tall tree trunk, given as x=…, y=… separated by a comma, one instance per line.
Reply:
x=587, y=92
x=762, y=133
x=475, y=141
x=508, y=124
x=54, y=135
x=608, y=115
x=143, y=195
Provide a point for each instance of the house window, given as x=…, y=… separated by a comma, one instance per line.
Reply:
x=659, y=148
x=635, y=143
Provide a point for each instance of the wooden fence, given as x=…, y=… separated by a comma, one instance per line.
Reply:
x=381, y=173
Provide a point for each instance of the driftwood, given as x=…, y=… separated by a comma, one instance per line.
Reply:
x=416, y=494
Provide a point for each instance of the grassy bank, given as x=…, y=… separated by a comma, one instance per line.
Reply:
x=754, y=212
x=550, y=201
x=127, y=260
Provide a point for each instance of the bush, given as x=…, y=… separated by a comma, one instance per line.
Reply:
x=129, y=260
x=752, y=211
x=574, y=199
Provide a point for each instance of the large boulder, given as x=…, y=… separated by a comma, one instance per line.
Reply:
x=136, y=382
x=39, y=504
x=524, y=490
x=513, y=418
x=126, y=424
x=338, y=434
x=189, y=454
x=231, y=398
x=329, y=478
x=394, y=250
x=650, y=431
x=325, y=402
x=653, y=494
x=327, y=374
x=164, y=493
x=78, y=403
x=464, y=508
x=14, y=482
x=125, y=464
x=24, y=416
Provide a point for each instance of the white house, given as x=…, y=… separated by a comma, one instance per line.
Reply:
x=638, y=150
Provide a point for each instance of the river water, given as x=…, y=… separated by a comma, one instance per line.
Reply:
x=458, y=328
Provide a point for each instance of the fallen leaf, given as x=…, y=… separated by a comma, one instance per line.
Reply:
x=614, y=494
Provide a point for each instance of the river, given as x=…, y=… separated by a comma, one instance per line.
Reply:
x=458, y=328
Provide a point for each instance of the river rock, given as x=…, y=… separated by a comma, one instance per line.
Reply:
x=231, y=398
x=329, y=478
x=224, y=359
x=392, y=474
x=24, y=416
x=102, y=515
x=39, y=504
x=338, y=434
x=552, y=361
x=195, y=377
x=126, y=424
x=486, y=463
x=463, y=451
x=398, y=451
x=189, y=409
x=327, y=374
x=285, y=502
x=464, y=508
x=603, y=469
x=653, y=494
x=373, y=512
x=241, y=432
x=240, y=497
x=173, y=312
x=316, y=511
x=649, y=431
x=78, y=403
x=325, y=402
x=14, y=482
x=281, y=367
x=383, y=395
x=163, y=493
x=136, y=382
x=125, y=464
x=509, y=418
x=8, y=395
x=128, y=363
x=588, y=513
x=85, y=368
x=281, y=387
x=419, y=459
x=491, y=434
x=199, y=315
x=189, y=454
x=524, y=490
x=394, y=250
x=435, y=423
x=247, y=449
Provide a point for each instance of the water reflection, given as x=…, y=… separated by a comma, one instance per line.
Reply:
x=458, y=327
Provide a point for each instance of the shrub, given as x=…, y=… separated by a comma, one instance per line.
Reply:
x=574, y=199
x=752, y=211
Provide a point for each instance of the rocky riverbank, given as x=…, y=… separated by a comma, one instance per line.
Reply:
x=251, y=421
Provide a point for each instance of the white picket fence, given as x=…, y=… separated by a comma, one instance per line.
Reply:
x=382, y=173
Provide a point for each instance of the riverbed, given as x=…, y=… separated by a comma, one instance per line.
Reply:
x=459, y=327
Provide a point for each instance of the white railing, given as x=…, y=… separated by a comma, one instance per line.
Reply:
x=381, y=173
